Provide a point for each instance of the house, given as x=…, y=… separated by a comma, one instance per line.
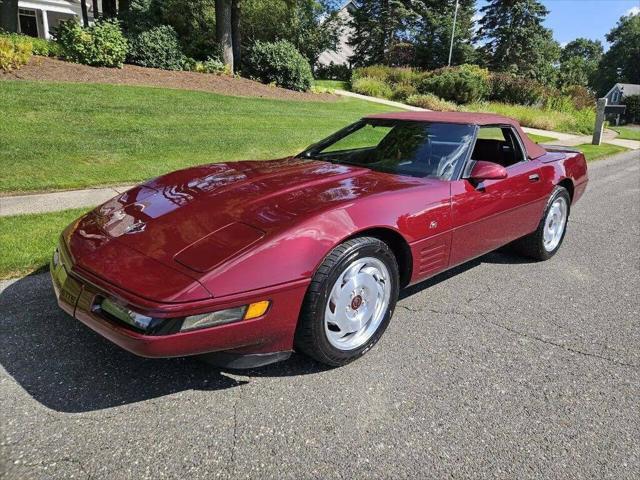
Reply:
x=342, y=55
x=37, y=18
x=620, y=91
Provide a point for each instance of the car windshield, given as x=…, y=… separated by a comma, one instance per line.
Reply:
x=419, y=149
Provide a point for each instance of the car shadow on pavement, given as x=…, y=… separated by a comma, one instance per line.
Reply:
x=68, y=368
x=503, y=257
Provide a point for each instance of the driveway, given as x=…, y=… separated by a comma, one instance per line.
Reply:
x=501, y=368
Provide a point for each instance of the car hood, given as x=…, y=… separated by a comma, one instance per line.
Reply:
x=192, y=220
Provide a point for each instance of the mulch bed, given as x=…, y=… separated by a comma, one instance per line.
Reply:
x=52, y=70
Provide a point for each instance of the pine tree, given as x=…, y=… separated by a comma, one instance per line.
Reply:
x=377, y=25
x=433, y=29
x=516, y=40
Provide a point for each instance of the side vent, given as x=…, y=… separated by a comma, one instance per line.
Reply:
x=432, y=258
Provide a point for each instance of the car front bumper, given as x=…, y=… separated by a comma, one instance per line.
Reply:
x=273, y=332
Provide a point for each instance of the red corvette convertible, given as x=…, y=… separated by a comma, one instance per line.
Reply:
x=245, y=262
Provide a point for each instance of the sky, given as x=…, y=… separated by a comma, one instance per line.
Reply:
x=570, y=19
x=593, y=19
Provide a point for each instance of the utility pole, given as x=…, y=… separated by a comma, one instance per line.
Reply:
x=453, y=31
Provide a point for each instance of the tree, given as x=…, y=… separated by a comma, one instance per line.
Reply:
x=377, y=26
x=9, y=15
x=310, y=25
x=85, y=13
x=109, y=8
x=236, y=35
x=516, y=41
x=224, y=31
x=620, y=63
x=193, y=20
x=433, y=28
x=579, y=61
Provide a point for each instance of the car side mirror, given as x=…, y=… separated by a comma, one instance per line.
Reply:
x=482, y=171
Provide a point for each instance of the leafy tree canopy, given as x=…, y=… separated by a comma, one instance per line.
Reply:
x=579, y=62
x=516, y=41
x=620, y=63
x=307, y=24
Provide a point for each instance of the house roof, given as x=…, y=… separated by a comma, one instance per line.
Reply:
x=627, y=89
x=481, y=119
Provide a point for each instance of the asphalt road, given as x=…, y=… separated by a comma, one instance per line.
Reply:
x=502, y=369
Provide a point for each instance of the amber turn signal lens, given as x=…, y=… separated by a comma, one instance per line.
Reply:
x=256, y=310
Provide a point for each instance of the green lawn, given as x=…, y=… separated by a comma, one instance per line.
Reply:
x=594, y=152
x=627, y=133
x=541, y=138
x=27, y=241
x=56, y=136
x=331, y=84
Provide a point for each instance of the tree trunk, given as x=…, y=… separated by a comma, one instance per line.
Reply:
x=109, y=9
x=235, y=33
x=9, y=15
x=223, y=31
x=85, y=13
x=96, y=10
x=123, y=5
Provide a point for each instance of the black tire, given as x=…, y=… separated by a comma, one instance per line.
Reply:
x=532, y=245
x=310, y=337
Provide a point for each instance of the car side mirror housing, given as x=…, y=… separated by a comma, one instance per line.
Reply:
x=482, y=171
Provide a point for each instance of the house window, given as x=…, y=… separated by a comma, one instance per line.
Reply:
x=28, y=22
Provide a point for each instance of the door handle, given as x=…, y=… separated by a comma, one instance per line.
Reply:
x=534, y=177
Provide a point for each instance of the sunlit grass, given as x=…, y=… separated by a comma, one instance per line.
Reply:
x=27, y=241
x=594, y=152
x=56, y=136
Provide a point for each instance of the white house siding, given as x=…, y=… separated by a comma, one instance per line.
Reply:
x=49, y=14
x=344, y=51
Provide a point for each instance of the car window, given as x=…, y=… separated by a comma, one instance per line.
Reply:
x=490, y=133
x=418, y=149
x=368, y=136
x=498, y=145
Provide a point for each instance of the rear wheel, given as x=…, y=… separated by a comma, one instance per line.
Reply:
x=546, y=240
x=349, y=303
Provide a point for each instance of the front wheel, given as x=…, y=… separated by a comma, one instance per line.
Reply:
x=546, y=240
x=349, y=302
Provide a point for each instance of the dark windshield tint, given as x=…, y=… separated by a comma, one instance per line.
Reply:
x=418, y=149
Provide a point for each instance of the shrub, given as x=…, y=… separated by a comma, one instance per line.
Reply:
x=377, y=72
x=280, y=63
x=45, y=48
x=508, y=88
x=462, y=84
x=576, y=121
x=100, y=45
x=401, y=53
x=333, y=72
x=402, y=91
x=210, y=65
x=402, y=76
x=632, y=112
x=39, y=46
x=13, y=54
x=371, y=87
x=559, y=103
x=157, y=47
x=581, y=96
x=431, y=102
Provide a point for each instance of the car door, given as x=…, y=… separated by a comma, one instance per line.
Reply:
x=492, y=213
